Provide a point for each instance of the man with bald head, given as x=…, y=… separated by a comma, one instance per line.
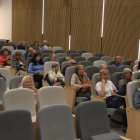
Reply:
x=103, y=66
x=72, y=62
x=117, y=62
x=30, y=50
x=45, y=46
x=33, y=52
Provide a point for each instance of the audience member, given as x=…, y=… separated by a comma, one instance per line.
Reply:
x=103, y=66
x=137, y=97
x=139, y=65
x=68, y=58
x=5, y=58
x=45, y=46
x=106, y=88
x=33, y=52
x=27, y=82
x=30, y=50
x=36, y=68
x=52, y=57
x=117, y=61
x=36, y=44
x=9, y=43
x=22, y=46
x=72, y=62
x=19, y=64
x=126, y=77
x=77, y=79
x=55, y=75
x=131, y=63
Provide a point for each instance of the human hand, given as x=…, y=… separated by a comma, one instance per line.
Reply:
x=113, y=93
x=7, y=57
x=40, y=73
x=103, y=81
x=85, y=85
x=23, y=64
x=59, y=79
x=54, y=69
x=84, y=74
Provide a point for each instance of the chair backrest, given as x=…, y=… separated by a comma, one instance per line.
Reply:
x=64, y=64
x=57, y=48
x=16, y=125
x=87, y=113
x=22, y=51
x=29, y=59
x=95, y=80
x=14, y=57
x=61, y=60
x=15, y=81
x=135, y=68
x=82, y=51
x=99, y=55
x=92, y=59
x=35, y=48
x=136, y=62
x=9, y=48
x=50, y=95
x=79, y=58
x=31, y=45
x=111, y=69
x=59, y=55
x=122, y=59
x=2, y=88
x=111, y=62
x=68, y=74
x=85, y=63
x=2, y=44
x=21, y=98
x=59, y=51
x=120, y=68
x=135, y=75
x=3, y=40
x=116, y=77
x=14, y=43
x=125, y=62
x=106, y=58
x=46, y=59
x=48, y=66
x=68, y=52
x=73, y=55
x=45, y=55
x=90, y=70
x=25, y=42
x=55, y=122
x=87, y=55
x=46, y=51
x=29, y=55
x=99, y=62
x=7, y=74
x=132, y=87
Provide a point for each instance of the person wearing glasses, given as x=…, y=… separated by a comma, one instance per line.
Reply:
x=72, y=62
x=27, y=82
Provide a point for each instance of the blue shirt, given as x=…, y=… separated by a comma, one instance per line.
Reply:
x=116, y=65
x=137, y=99
x=35, y=69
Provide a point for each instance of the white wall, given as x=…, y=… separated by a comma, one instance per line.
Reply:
x=6, y=19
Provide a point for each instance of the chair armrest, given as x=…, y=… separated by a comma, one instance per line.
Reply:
x=119, y=95
x=30, y=74
x=69, y=87
x=1, y=66
x=13, y=71
x=93, y=97
x=124, y=138
x=45, y=83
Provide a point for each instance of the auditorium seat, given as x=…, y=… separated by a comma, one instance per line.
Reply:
x=125, y=62
x=92, y=59
x=79, y=58
x=87, y=55
x=82, y=51
x=135, y=75
x=45, y=55
x=73, y=55
x=35, y=48
x=59, y=55
x=136, y=62
x=64, y=64
x=111, y=62
x=59, y=51
x=61, y=60
x=111, y=69
x=106, y=58
x=46, y=59
x=25, y=42
x=85, y=63
x=121, y=68
x=22, y=51
x=9, y=48
x=68, y=52
x=57, y=48
x=46, y=51
x=122, y=59
x=135, y=68
x=98, y=63
x=99, y=55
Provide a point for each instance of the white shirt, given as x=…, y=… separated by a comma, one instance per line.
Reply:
x=109, y=88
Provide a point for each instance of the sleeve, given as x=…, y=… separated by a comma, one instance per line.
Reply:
x=15, y=63
x=30, y=69
x=2, y=60
x=137, y=100
x=61, y=76
x=98, y=87
x=52, y=75
x=73, y=82
x=113, y=85
x=121, y=82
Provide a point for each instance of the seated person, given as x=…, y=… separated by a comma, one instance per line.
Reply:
x=55, y=75
x=36, y=68
x=30, y=50
x=137, y=97
x=45, y=46
x=19, y=63
x=131, y=63
x=36, y=44
x=126, y=77
x=22, y=46
x=71, y=63
x=117, y=62
x=106, y=88
x=27, y=82
x=9, y=43
x=68, y=58
x=103, y=66
x=139, y=65
x=52, y=57
x=5, y=58
x=77, y=79
x=33, y=52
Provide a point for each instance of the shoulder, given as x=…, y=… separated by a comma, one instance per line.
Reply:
x=50, y=71
x=137, y=93
x=99, y=83
x=122, y=81
x=74, y=75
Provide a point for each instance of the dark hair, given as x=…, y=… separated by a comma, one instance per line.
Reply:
x=36, y=42
x=130, y=61
x=34, y=59
x=54, y=65
x=139, y=65
x=7, y=41
x=5, y=49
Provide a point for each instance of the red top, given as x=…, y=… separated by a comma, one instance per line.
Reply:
x=3, y=59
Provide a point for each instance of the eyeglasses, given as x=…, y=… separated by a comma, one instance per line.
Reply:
x=73, y=63
x=29, y=82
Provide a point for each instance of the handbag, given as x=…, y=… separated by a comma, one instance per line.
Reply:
x=86, y=88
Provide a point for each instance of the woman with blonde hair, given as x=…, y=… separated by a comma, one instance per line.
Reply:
x=27, y=82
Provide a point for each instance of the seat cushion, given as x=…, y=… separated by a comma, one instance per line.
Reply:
x=107, y=136
x=114, y=111
x=81, y=99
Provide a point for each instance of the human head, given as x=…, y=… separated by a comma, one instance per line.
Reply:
x=5, y=52
x=103, y=66
x=79, y=69
x=56, y=66
x=23, y=43
x=30, y=50
x=131, y=63
x=36, y=58
x=68, y=58
x=103, y=74
x=118, y=60
x=18, y=55
x=33, y=52
x=72, y=62
x=44, y=43
x=127, y=73
x=9, y=43
x=26, y=82
x=36, y=43
x=52, y=57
